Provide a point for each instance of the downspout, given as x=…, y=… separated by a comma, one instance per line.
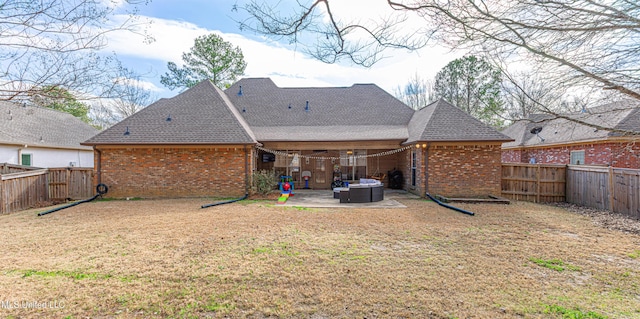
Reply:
x=246, y=184
x=98, y=164
x=246, y=172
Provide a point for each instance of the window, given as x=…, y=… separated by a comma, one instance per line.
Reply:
x=413, y=167
x=577, y=158
x=25, y=160
x=290, y=162
x=353, y=164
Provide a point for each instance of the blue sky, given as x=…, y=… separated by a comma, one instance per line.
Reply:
x=175, y=25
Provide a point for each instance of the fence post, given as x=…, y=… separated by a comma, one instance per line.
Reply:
x=1, y=195
x=537, y=183
x=611, y=189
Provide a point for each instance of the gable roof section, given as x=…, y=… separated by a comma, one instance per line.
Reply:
x=42, y=127
x=358, y=112
x=199, y=115
x=621, y=115
x=442, y=122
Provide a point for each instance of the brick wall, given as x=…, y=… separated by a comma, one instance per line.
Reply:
x=512, y=156
x=174, y=172
x=624, y=154
x=464, y=170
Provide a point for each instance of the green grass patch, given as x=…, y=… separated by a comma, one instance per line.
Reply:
x=77, y=275
x=572, y=313
x=635, y=254
x=555, y=264
x=61, y=273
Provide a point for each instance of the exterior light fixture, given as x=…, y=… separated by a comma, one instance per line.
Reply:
x=127, y=133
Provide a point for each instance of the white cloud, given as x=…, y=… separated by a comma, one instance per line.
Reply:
x=146, y=85
x=286, y=66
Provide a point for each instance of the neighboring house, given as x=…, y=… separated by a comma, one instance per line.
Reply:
x=549, y=139
x=42, y=137
x=208, y=142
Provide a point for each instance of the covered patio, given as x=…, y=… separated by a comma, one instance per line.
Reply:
x=324, y=199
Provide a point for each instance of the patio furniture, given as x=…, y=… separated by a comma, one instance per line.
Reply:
x=336, y=191
x=365, y=192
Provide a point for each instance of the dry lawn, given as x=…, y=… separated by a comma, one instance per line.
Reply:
x=171, y=259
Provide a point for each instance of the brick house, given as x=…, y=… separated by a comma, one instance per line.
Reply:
x=208, y=142
x=559, y=140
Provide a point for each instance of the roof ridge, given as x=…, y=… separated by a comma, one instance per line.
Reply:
x=241, y=120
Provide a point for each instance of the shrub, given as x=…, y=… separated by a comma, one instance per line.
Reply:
x=264, y=181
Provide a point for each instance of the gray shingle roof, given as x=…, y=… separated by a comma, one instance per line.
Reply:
x=206, y=115
x=200, y=115
x=37, y=126
x=358, y=112
x=621, y=115
x=442, y=122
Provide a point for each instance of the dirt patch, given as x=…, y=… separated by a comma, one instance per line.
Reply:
x=252, y=259
x=605, y=219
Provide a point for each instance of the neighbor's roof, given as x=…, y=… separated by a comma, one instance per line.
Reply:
x=200, y=115
x=358, y=112
x=621, y=115
x=42, y=127
x=442, y=122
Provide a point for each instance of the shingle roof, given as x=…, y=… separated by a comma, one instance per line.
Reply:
x=443, y=122
x=621, y=115
x=358, y=112
x=206, y=115
x=43, y=127
x=200, y=115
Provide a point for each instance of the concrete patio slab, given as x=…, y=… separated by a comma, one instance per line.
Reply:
x=324, y=199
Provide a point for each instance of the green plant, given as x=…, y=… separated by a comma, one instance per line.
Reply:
x=572, y=313
x=635, y=254
x=264, y=181
x=555, y=264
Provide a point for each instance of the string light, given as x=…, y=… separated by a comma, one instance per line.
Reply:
x=312, y=156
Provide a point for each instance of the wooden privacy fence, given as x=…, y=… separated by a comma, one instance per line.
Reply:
x=606, y=188
x=534, y=182
x=70, y=183
x=24, y=187
x=23, y=190
x=12, y=168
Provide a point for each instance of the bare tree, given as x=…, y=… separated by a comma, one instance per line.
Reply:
x=526, y=93
x=55, y=43
x=416, y=93
x=102, y=116
x=131, y=96
x=583, y=43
